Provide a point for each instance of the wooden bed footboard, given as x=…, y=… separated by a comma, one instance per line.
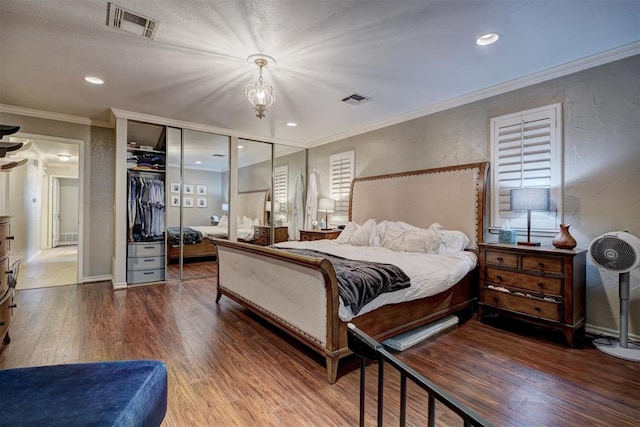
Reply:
x=287, y=289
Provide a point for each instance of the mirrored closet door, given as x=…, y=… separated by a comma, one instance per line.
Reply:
x=198, y=194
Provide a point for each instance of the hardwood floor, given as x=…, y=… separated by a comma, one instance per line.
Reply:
x=226, y=367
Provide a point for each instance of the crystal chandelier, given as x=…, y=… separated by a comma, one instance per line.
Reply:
x=260, y=94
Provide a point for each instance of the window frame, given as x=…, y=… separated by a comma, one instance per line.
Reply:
x=543, y=223
x=341, y=193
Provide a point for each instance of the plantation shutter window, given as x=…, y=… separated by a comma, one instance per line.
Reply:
x=341, y=175
x=281, y=182
x=527, y=153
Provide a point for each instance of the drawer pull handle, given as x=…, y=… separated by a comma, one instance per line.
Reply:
x=147, y=260
x=13, y=305
x=541, y=285
x=10, y=238
x=148, y=272
x=1, y=322
x=536, y=308
x=500, y=259
x=541, y=265
x=496, y=299
x=149, y=247
x=499, y=277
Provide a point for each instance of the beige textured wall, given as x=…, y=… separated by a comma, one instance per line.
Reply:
x=601, y=114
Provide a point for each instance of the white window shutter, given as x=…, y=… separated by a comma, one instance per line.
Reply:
x=342, y=167
x=281, y=184
x=527, y=152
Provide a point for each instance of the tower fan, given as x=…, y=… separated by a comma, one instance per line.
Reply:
x=618, y=251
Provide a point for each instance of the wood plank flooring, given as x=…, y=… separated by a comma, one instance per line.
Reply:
x=227, y=368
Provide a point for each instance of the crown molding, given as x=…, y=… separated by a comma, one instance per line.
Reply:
x=148, y=118
x=60, y=117
x=612, y=55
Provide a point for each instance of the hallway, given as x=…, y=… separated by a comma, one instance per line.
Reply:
x=52, y=267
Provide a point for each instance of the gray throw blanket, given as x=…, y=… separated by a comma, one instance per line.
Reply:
x=359, y=282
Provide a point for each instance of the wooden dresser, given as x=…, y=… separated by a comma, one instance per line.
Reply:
x=319, y=234
x=541, y=285
x=262, y=235
x=7, y=281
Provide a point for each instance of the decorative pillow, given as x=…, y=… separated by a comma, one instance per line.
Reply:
x=413, y=240
x=224, y=222
x=454, y=241
x=345, y=235
x=365, y=235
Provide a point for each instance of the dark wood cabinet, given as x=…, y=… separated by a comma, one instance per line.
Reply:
x=540, y=285
x=319, y=234
x=262, y=235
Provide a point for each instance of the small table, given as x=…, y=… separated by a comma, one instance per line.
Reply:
x=306, y=235
x=262, y=234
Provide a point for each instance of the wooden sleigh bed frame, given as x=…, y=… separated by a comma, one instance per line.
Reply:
x=300, y=294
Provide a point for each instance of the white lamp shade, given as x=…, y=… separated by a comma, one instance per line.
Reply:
x=535, y=199
x=276, y=206
x=326, y=205
x=225, y=207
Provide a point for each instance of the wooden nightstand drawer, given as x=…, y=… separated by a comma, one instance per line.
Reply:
x=308, y=235
x=546, y=285
x=504, y=259
x=542, y=263
x=547, y=310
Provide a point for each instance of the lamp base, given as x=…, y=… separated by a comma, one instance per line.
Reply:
x=529, y=243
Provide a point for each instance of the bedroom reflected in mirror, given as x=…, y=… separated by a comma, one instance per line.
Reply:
x=289, y=170
x=198, y=173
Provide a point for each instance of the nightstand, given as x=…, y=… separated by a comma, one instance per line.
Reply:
x=262, y=234
x=540, y=285
x=306, y=235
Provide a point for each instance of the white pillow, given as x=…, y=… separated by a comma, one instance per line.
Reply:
x=413, y=240
x=224, y=222
x=366, y=235
x=454, y=241
x=345, y=235
x=256, y=222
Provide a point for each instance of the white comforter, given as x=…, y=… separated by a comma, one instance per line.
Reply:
x=430, y=274
x=211, y=231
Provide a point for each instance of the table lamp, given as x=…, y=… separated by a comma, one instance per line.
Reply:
x=529, y=199
x=326, y=206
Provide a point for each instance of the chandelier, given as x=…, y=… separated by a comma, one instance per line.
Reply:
x=260, y=94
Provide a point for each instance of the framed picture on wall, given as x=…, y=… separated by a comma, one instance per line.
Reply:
x=175, y=200
x=201, y=190
x=201, y=202
x=188, y=189
x=175, y=188
x=187, y=202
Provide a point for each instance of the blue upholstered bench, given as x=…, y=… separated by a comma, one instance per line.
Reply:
x=121, y=393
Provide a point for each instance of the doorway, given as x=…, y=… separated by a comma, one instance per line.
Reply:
x=45, y=203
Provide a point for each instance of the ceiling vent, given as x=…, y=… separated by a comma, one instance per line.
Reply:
x=131, y=22
x=356, y=99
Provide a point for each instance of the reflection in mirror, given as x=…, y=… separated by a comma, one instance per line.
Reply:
x=289, y=187
x=254, y=189
x=198, y=188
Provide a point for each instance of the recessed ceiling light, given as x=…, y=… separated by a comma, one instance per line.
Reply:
x=240, y=146
x=94, y=80
x=64, y=157
x=292, y=124
x=487, y=39
x=198, y=162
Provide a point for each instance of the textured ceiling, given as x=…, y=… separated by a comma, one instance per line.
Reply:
x=405, y=55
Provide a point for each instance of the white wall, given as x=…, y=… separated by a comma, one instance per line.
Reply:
x=601, y=159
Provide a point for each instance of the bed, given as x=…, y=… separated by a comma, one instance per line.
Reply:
x=197, y=238
x=299, y=293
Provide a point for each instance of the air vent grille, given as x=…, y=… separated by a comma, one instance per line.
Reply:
x=119, y=17
x=356, y=99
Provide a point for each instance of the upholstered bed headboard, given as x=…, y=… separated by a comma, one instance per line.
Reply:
x=453, y=196
x=252, y=205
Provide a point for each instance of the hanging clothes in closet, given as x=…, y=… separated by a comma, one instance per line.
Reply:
x=146, y=208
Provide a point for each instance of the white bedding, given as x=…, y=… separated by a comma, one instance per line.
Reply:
x=211, y=231
x=430, y=274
